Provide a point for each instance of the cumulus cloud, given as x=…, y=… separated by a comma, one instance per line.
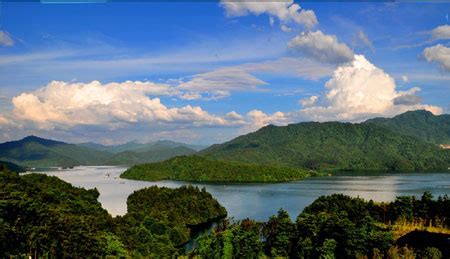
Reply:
x=309, y=101
x=5, y=39
x=438, y=54
x=61, y=104
x=441, y=32
x=257, y=119
x=322, y=47
x=359, y=90
x=285, y=10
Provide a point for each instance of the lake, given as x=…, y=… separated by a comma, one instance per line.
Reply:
x=260, y=201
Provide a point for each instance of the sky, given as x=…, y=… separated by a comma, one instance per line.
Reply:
x=206, y=72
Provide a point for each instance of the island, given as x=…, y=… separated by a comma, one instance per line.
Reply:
x=203, y=169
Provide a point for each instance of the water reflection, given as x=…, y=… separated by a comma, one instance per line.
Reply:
x=260, y=201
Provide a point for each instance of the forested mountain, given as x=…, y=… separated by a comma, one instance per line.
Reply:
x=149, y=156
x=332, y=145
x=142, y=147
x=33, y=151
x=201, y=169
x=11, y=167
x=420, y=124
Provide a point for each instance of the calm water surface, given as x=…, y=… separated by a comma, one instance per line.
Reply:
x=260, y=201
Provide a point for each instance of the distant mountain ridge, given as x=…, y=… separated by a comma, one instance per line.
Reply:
x=33, y=151
x=141, y=147
x=333, y=145
x=420, y=124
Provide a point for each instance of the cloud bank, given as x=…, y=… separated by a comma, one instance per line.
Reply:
x=114, y=105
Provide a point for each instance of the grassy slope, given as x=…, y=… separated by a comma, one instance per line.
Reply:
x=332, y=145
x=201, y=169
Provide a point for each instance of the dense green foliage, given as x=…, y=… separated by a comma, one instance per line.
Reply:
x=160, y=220
x=38, y=152
x=141, y=147
x=335, y=226
x=201, y=169
x=45, y=216
x=420, y=124
x=155, y=155
x=332, y=145
x=11, y=167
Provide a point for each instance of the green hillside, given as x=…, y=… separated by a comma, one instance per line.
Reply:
x=420, y=124
x=332, y=145
x=33, y=151
x=38, y=152
x=141, y=147
x=10, y=167
x=150, y=156
x=201, y=169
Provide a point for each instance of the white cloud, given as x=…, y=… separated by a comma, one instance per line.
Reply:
x=438, y=54
x=364, y=39
x=298, y=67
x=285, y=10
x=219, y=83
x=405, y=79
x=222, y=82
x=309, y=101
x=5, y=39
x=285, y=28
x=360, y=90
x=61, y=104
x=322, y=47
x=441, y=32
x=257, y=119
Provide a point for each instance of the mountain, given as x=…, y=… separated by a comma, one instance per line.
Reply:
x=8, y=166
x=154, y=155
x=420, y=124
x=142, y=147
x=332, y=145
x=33, y=151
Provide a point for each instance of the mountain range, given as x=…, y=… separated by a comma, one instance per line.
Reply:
x=34, y=151
x=378, y=144
x=409, y=141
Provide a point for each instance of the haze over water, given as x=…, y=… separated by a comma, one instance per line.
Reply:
x=260, y=201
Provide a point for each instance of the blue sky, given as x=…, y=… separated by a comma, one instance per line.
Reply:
x=204, y=72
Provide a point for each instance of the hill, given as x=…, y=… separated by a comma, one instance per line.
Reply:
x=142, y=147
x=332, y=145
x=11, y=167
x=33, y=151
x=154, y=155
x=201, y=169
x=420, y=124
